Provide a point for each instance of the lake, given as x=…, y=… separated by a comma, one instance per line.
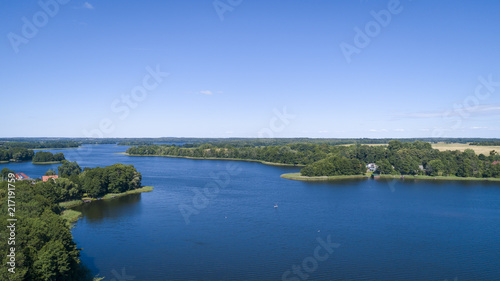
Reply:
x=217, y=220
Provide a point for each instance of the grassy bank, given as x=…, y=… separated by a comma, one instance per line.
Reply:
x=298, y=177
x=46, y=163
x=447, y=178
x=70, y=204
x=70, y=216
x=215, y=158
x=135, y=191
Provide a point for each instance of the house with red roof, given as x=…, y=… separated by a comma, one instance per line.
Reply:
x=46, y=178
x=22, y=176
x=496, y=162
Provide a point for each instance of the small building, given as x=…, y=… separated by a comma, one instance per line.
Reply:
x=46, y=178
x=22, y=176
x=371, y=167
x=495, y=162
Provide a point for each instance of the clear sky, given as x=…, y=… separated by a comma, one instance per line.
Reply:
x=357, y=68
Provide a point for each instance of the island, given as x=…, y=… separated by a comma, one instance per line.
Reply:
x=47, y=158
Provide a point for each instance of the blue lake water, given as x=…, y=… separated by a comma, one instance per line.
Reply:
x=379, y=230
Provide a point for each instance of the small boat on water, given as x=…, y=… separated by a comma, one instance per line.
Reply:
x=275, y=205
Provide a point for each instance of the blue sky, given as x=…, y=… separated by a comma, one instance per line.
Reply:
x=431, y=69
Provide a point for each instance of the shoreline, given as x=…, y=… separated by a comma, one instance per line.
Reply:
x=444, y=178
x=298, y=177
x=214, y=158
x=72, y=216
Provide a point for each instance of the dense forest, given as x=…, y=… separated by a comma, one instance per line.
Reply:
x=16, y=154
x=398, y=158
x=44, y=249
x=46, y=156
x=39, y=144
x=486, y=143
x=44, y=246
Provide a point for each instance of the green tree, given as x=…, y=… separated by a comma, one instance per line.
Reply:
x=68, y=168
x=4, y=174
x=434, y=167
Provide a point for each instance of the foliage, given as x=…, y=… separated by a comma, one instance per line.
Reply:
x=44, y=246
x=16, y=154
x=405, y=158
x=50, y=172
x=334, y=166
x=4, y=174
x=68, y=169
x=46, y=156
x=117, y=178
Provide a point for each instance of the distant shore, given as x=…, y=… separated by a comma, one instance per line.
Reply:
x=72, y=216
x=299, y=177
x=55, y=148
x=215, y=158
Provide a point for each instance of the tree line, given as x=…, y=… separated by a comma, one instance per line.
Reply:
x=16, y=154
x=39, y=144
x=398, y=158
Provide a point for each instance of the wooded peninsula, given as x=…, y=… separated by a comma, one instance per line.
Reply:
x=320, y=160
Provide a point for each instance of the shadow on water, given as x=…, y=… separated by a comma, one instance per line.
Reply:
x=114, y=208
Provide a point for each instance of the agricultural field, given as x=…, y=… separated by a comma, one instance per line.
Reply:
x=463, y=146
